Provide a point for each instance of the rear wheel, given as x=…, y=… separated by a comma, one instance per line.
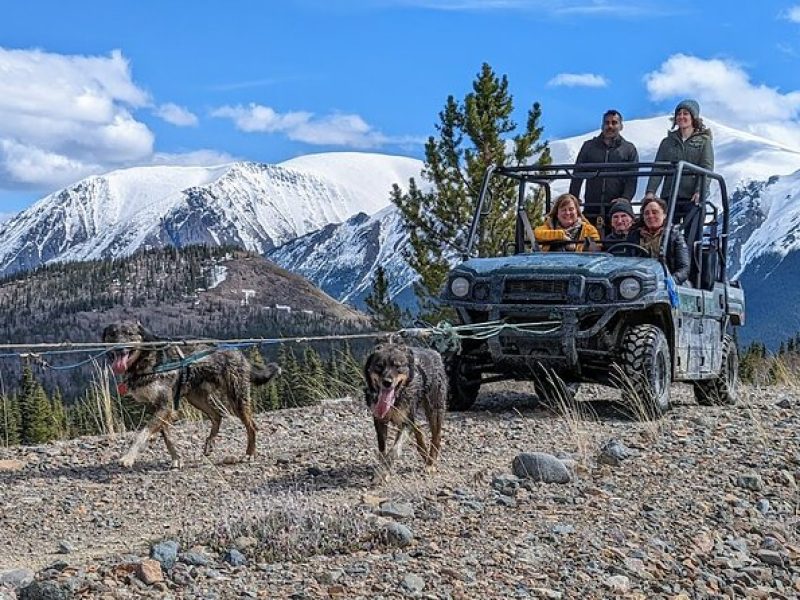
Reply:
x=464, y=384
x=723, y=390
x=646, y=371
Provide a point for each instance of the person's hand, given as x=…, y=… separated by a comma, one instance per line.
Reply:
x=696, y=198
x=589, y=245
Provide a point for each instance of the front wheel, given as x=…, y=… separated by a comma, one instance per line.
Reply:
x=723, y=389
x=464, y=385
x=646, y=371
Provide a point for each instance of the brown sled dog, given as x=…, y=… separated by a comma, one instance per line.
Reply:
x=399, y=380
x=216, y=384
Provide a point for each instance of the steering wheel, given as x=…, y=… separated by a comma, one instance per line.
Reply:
x=618, y=249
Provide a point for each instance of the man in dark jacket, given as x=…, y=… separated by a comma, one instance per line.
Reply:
x=608, y=147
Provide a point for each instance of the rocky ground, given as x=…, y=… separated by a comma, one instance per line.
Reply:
x=703, y=503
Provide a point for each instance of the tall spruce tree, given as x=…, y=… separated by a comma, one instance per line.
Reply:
x=386, y=315
x=471, y=135
x=9, y=421
x=35, y=410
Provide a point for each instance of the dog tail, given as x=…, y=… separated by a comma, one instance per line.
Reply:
x=260, y=375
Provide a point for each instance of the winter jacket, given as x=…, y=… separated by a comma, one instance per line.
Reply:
x=600, y=191
x=698, y=149
x=677, y=252
x=548, y=233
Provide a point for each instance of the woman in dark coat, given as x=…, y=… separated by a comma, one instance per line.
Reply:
x=650, y=234
x=690, y=141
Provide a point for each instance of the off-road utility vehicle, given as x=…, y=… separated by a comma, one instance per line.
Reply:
x=594, y=316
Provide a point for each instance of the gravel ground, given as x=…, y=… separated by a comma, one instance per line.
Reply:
x=703, y=503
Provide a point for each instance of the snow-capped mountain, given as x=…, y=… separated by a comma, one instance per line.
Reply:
x=254, y=205
x=341, y=259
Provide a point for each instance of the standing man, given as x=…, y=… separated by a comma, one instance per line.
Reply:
x=608, y=147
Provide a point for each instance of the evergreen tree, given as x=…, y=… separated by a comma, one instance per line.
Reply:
x=36, y=413
x=386, y=315
x=472, y=135
x=9, y=421
x=59, y=416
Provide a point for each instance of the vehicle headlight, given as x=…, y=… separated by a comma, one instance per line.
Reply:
x=629, y=288
x=459, y=286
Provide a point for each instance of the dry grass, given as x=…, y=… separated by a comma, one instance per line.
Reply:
x=286, y=527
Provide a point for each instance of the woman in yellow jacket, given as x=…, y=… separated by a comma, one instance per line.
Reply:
x=565, y=228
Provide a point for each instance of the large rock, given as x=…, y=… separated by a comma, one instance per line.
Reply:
x=540, y=466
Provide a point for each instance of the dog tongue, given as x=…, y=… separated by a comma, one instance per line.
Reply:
x=120, y=364
x=385, y=403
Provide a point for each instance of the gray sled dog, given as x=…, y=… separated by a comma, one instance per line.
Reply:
x=216, y=384
x=400, y=380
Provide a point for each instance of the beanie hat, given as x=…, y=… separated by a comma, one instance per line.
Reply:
x=691, y=105
x=621, y=205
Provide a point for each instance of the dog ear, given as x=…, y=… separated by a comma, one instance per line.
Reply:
x=147, y=335
x=411, y=369
x=368, y=368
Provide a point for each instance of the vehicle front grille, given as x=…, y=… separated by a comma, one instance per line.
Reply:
x=535, y=290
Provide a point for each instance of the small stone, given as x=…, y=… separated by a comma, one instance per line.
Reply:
x=234, y=558
x=398, y=534
x=64, y=547
x=508, y=501
x=784, y=403
x=613, y=452
x=16, y=577
x=244, y=542
x=618, y=583
x=540, y=466
x=506, y=484
x=149, y=571
x=413, y=583
x=314, y=471
x=330, y=577
x=772, y=557
x=749, y=481
x=41, y=590
x=196, y=559
x=166, y=553
x=563, y=529
x=762, y=506
x=396, y=510
x=546, y=593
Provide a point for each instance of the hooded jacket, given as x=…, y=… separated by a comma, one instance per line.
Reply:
x=697, y=149
x=600, y=191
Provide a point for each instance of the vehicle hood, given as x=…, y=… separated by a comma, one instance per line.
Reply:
x=560, y=263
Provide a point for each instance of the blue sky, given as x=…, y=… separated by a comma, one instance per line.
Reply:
x=90, y=86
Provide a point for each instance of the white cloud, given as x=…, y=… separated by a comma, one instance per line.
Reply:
x=726, y=93
x=176, y=115
x=338, y=129
x=793, y=14
x=62, y=117
x=578, y=80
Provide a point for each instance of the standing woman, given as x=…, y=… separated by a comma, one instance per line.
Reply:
x=689, y=140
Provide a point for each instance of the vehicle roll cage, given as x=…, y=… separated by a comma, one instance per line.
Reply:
x=543, y=175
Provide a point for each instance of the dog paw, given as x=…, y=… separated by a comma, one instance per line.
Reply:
x=430, y=469
x=381, y=476
x=176, y=464
x=127, y=461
